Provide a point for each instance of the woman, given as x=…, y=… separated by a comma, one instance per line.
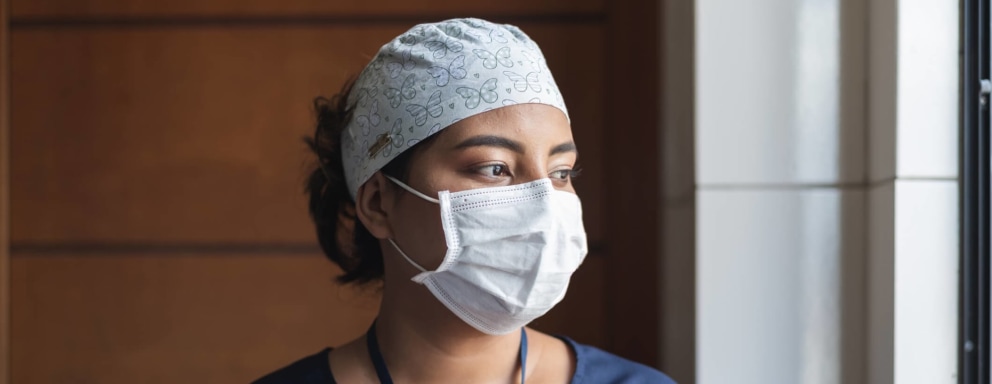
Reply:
x=460, y=117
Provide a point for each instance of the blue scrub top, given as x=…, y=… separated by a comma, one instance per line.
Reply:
x=592, y=366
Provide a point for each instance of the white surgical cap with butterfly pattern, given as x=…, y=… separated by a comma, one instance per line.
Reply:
x=433, y=76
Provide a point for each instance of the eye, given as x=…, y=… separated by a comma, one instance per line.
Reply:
x=561, y=174
x=493, y=170
x=565, y=174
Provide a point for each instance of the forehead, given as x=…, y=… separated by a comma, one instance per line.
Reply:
x=530, y=124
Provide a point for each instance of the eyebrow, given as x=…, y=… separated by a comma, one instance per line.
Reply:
x=515, y=146
x=491, y=141
x=564, y=147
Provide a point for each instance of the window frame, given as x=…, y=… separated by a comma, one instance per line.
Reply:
x=975, y=301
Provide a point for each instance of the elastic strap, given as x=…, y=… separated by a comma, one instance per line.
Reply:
x=523, y=355
x=413, y=191
x=422, y=269
x=372, y=343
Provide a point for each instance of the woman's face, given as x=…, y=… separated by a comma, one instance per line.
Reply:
x=506, y=146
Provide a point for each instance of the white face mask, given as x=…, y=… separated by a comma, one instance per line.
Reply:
x=511, y=252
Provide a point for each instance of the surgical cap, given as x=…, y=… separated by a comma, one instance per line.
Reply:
x=431, y=77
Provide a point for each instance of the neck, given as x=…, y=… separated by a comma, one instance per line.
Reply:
x=422, y=341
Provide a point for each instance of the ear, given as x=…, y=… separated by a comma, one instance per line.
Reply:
x=373, y=205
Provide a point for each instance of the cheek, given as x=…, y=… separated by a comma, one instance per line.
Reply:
x=570, y=186
x=418, y=230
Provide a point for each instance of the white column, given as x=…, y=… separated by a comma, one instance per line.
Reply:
x=780, y=189
x=826, y=212
x=913, y=179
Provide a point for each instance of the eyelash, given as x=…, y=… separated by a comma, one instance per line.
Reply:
x=559, y=175
x=503, y=167
x=567, y=174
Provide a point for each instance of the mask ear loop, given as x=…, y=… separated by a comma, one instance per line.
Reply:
x=420, y=195
x=414, y=263
x=411, y=190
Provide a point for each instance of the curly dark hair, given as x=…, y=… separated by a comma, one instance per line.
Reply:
x=343, y=238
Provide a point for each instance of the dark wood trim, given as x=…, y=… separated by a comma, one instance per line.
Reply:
x=678, y=271
x=19, y=249
x=287, y=20
x=5, y=363
x=633, y=169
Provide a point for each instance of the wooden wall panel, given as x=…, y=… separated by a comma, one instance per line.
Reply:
x=4, y=194
x=132, y=8
x=136, y=142
x=5, y=305
x=634, y=217
x=192, y=135
x=184, y=318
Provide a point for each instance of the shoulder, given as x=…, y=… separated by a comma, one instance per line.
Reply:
x=594, y=365
x=310, y=369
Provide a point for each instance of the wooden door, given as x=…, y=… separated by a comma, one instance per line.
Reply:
x=158, y=227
